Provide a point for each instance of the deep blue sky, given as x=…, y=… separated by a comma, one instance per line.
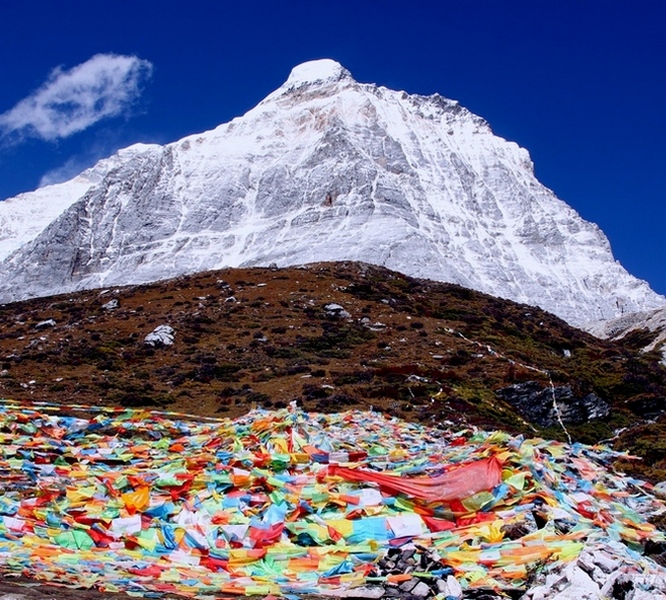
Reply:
x=581, y=84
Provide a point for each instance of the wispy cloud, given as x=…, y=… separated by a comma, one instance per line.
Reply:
x=106, y=85
x=65, y=172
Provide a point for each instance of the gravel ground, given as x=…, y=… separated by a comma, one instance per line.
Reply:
x=20, y=588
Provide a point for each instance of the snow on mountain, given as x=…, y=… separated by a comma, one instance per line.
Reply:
x=653, y=320
x=25, y=216
x=326, y=168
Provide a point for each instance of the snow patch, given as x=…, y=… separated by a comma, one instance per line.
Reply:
x=315, y=71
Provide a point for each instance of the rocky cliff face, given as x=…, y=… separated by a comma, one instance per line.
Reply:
x=25, y=216
x=326, y=168
x=549, y=406
x=648, y=326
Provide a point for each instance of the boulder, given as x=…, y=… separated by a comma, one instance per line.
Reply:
x=111, y=304
x=163, y=335
x=535, y=403
x=336, y=311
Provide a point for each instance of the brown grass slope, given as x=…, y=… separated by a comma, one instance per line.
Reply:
x=263, y=337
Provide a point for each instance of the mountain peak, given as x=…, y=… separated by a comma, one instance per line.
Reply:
x=315, y=71
x=324, y=168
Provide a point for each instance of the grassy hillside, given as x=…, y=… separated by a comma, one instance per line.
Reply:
x=421, y=350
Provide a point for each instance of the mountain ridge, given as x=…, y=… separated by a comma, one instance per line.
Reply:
x=24, y=217
x=648, y=325
x=325, y=168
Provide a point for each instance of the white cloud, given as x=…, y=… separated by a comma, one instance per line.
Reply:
x=65, y=172
x=106, y=85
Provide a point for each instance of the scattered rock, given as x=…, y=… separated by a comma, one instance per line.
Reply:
x=421, y=590
x=659, y=490
x=337, y=311
x=431, y=578
x=367, y=591
x=111, y=304
x=45, y=324
x=600, y=572
x=535, y=403
x=453, y=588
x=377, y=326
x=163, y=335
x=409, y=585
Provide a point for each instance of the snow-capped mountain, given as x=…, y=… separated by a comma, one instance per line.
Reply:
x=326, y=168
x=25, y=216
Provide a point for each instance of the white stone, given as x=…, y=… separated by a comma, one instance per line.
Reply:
x=333, y=307
x=45, y=324
x=369, y=591
x=639, y=594
x=605, y=562
x=455, y=589
x=111, y=304
x=163, y=335
x=421, y=590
